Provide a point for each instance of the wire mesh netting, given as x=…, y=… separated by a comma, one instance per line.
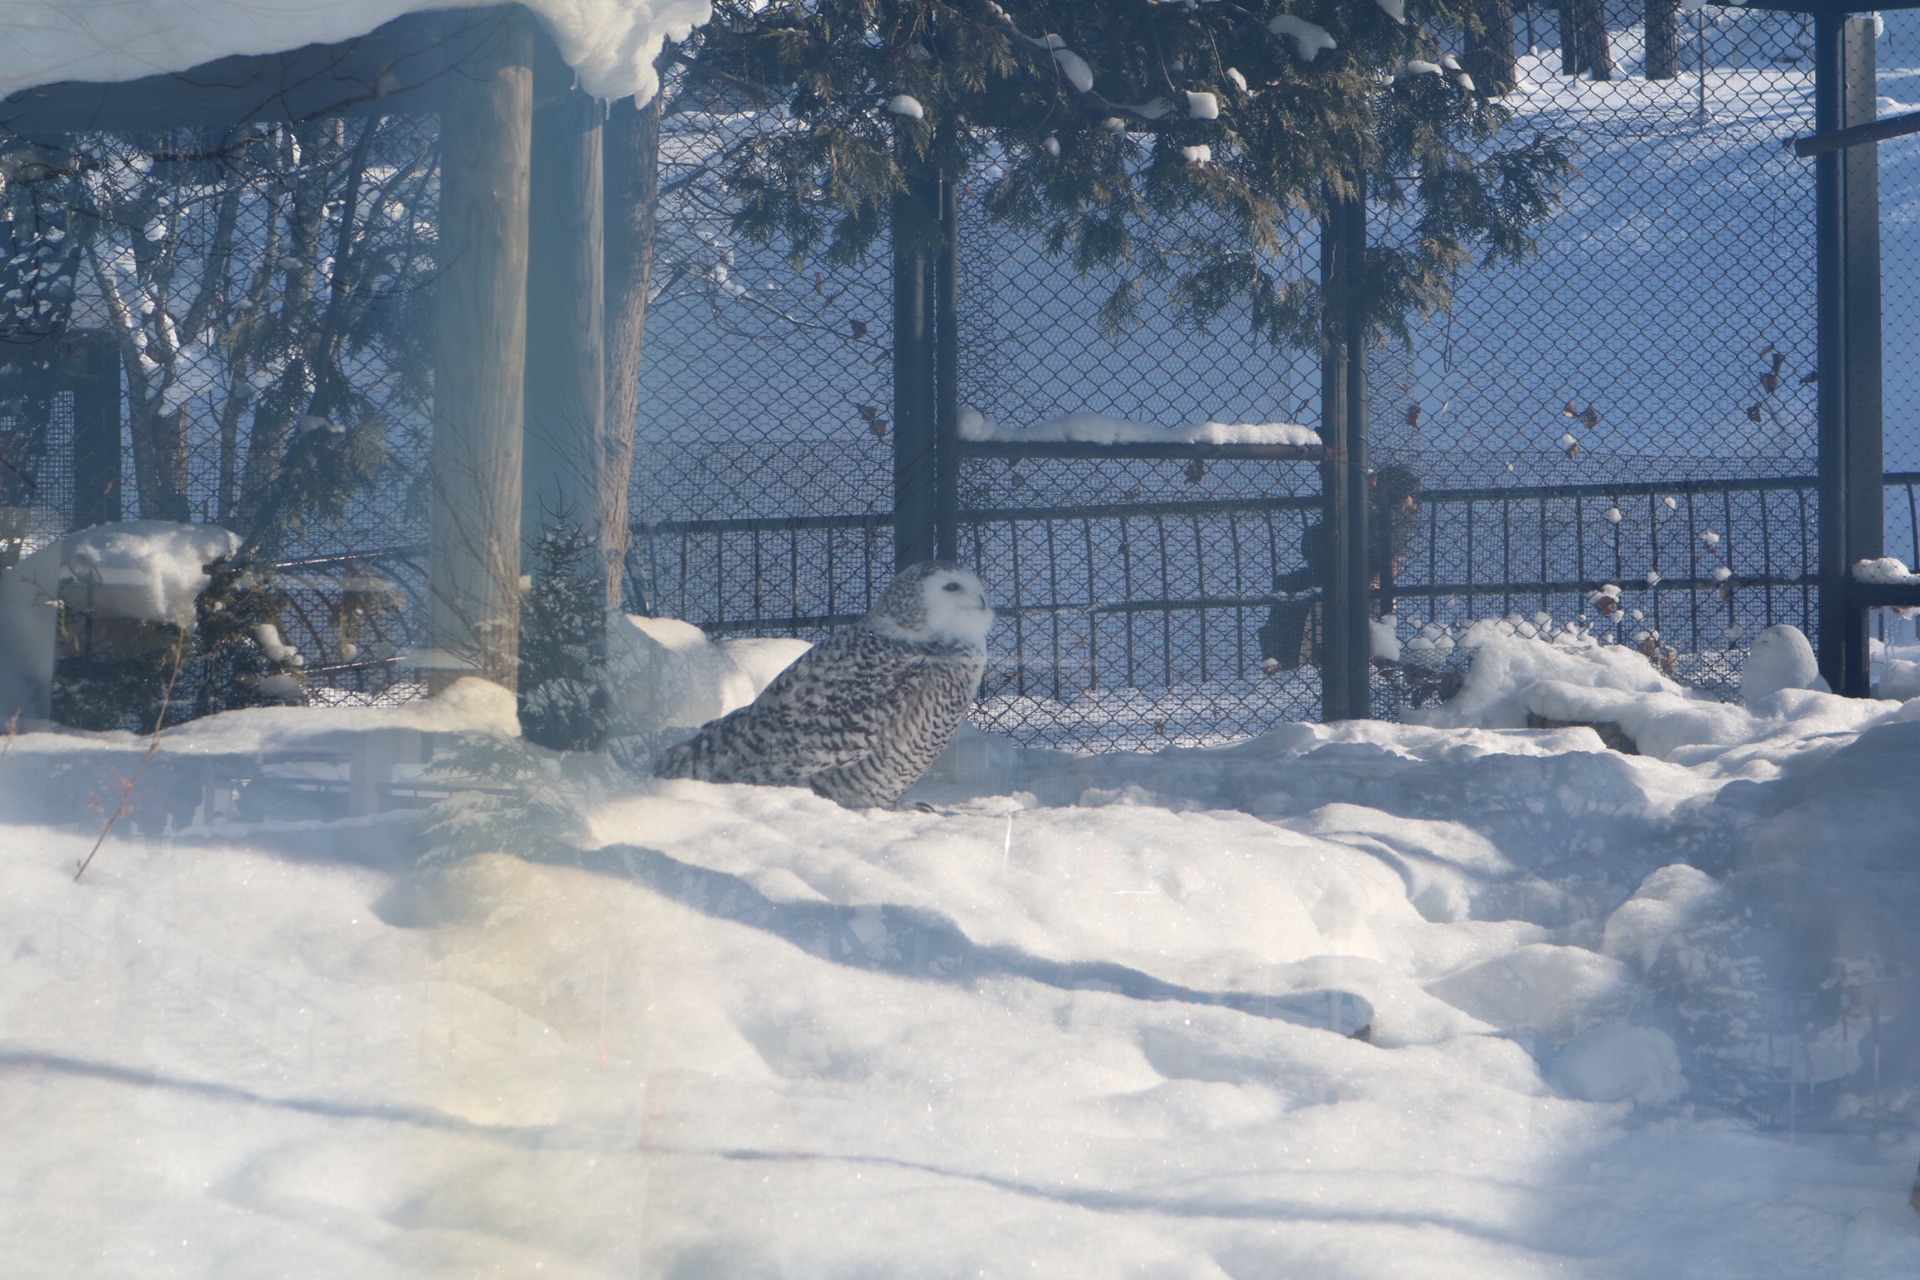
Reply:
x=244, y=308
x=763, y=473
x=1630, y=408
x=1635, y=404
x=1133, y=590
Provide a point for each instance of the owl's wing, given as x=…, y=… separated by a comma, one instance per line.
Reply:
x=823, y=712
x=928, y=704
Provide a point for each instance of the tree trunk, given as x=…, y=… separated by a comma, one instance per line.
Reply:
x=1663, y=39
x=1489, y=52
x=1583, y=39
x=632, y=151
x=159, y=439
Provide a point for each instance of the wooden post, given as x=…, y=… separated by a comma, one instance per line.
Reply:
x=480, y=359
x=566, y=366
x=630, y=148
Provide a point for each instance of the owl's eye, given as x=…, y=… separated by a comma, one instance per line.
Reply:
x=951, y=586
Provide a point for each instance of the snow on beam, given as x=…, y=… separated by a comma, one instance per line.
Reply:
x=394, y=69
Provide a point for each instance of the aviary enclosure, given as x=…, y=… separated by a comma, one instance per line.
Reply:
x=1639, y=405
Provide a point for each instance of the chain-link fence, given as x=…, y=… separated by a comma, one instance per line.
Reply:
x=1630, y=408
x=1635, y=404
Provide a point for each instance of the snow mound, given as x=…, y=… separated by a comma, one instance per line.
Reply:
x=1614, y=1062
x=1514, y=682
x=1782, y=658
x=1501, y=684
x=1885, y=569
x=1094, y=428
x=667, y=674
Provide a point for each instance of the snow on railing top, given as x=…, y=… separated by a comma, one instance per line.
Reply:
x=1094, y=428
x=611, y=44
x=1885, y=569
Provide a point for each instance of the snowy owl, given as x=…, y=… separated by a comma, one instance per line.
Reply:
x=1781, y=659
x=861, y=715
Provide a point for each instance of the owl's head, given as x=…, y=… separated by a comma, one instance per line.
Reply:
x=934, y=600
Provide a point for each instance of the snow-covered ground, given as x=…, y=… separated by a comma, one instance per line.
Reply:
x=1626, y=1015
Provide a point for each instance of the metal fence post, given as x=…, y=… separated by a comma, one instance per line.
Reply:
x=1346, y=641
x=914, y=464
x=96, y=429
x=946, y=377
x=1848, y=309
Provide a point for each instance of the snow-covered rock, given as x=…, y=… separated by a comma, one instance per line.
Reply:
x=1614, y=1062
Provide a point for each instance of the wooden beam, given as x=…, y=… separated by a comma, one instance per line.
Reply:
x=394, y=69
x=480, y=359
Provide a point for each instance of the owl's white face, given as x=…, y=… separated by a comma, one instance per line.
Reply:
x=935, y=600
x=956, y=606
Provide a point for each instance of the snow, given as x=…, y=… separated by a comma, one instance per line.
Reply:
x=905, y=104
x=1308, y=38
x=1203, y=106
x=1782, y=658
x=147, y=570
x=671, y=676
x=154, y=568
x=1199, y=154
x=1884, y=569
x=1071, y=1017
x=1074, y=68
x=611, y=44
x=1093, y=428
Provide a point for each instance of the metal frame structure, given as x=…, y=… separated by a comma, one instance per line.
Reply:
x=1847, y=212
x=928, y=448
